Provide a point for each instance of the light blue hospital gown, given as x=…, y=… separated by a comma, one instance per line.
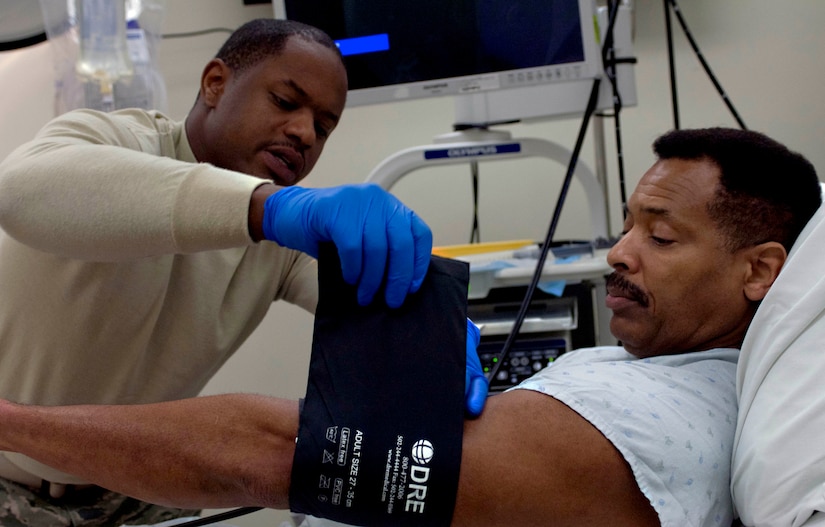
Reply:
x=672, y=417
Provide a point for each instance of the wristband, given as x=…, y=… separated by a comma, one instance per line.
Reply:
x=381, y=428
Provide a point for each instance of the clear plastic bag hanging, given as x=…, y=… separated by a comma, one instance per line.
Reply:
x=105, y=53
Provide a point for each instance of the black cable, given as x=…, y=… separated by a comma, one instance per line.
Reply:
x=592, y=102
x=10, y=45
x=705, y=65
x=475, y=235
x=610, y=69
x=198, y=33
x=42, y=37
x=672, y=65
x=591, y=108
x=215, y=518
x=607, y=45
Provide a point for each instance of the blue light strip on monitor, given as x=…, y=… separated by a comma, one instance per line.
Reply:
x=361, y=45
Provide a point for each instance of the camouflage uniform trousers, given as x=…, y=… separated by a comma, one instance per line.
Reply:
x=21, y=506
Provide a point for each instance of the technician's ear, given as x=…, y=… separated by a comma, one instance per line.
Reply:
x=765, y=261
x=213, y=81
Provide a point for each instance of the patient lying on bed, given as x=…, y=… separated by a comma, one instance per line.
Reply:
x=585, y=442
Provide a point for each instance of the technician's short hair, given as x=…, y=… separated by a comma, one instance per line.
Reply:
x=263, y=38
x=766, y=191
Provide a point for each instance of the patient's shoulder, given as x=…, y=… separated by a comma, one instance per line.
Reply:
x=530, y=459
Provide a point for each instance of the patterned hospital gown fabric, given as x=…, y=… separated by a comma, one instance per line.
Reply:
x=672, y=417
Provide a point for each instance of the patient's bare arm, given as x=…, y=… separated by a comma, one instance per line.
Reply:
x=207, y=452
x=528, y=460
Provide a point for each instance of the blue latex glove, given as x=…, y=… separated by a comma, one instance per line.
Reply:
x=475, y=383
x=376, y=235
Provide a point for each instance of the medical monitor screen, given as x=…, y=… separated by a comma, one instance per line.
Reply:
x=401, y=49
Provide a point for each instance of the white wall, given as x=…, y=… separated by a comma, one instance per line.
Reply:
x=767, y=55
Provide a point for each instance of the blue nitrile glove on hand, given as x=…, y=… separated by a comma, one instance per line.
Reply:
x=475, y=383
x=376, y=235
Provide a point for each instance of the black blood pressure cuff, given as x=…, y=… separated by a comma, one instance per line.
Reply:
x=381, y=426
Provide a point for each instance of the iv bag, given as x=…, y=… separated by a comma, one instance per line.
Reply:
x=105, y=53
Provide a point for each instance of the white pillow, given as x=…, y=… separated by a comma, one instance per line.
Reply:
x=778, y=466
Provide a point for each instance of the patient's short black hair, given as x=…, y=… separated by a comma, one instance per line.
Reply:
x=766, y=192
x=266, y=37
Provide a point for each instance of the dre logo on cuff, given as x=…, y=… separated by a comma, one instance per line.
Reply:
x=381, y=427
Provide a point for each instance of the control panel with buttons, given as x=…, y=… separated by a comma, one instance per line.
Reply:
x=524, y=359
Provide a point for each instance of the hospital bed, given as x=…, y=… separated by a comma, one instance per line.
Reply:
x=778, y=470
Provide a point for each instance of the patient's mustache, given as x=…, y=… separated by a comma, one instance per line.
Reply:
x=617, y=285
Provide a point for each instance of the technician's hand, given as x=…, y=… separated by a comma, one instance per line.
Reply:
x=376, y=235
x=475, y=383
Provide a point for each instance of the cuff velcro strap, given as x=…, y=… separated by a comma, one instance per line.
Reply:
x=381, y=427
